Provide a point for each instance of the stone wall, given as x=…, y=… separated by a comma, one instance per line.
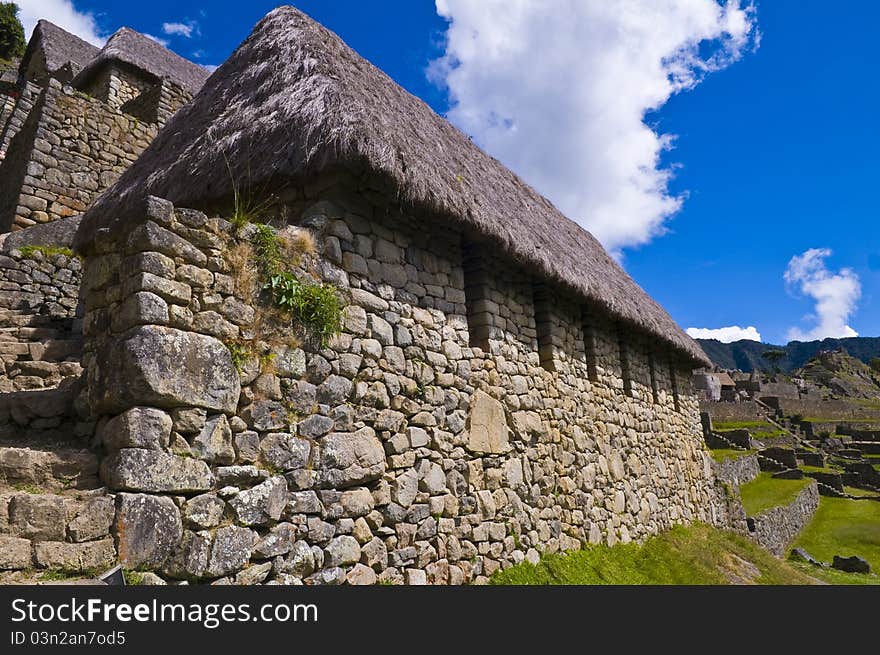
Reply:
x=737, y=470
x=14, y=116
x=40, y=336
x=71, y=148
x=115, y=86
x=831, y=410
x=732, y=412
x=776, y=528
x=57, y=532
x=158, y=103
x=400, y=452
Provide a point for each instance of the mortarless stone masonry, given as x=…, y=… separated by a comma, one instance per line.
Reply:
x=69, y=149
x=400, y=452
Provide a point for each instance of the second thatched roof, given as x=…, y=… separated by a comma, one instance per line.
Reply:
x=294, y=101
x=58, y=47
x=135, y=49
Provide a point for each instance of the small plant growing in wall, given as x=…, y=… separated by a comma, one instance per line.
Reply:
x=30, y=252
x=316, y=306
x=265, y=268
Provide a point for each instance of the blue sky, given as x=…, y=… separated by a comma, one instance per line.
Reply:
x=760, y=212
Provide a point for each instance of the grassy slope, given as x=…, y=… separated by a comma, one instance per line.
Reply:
x=844, y=527
x=694, y=555
x=765, y=492
x=723, y=454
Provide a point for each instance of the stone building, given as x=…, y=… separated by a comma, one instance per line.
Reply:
x=77, y=116
x=498, y=388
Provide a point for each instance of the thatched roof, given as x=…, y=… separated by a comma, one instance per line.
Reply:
x=135, y=49
x=58, y=46
x=294, y=101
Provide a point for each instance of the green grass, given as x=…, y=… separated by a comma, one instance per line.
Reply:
x=28, y=252
x=724, y=454
x=761, y=429
x=27, y=488
x=59, y=575
x=844, y=527
x=739, y=425
x=835, y=577
x=132, y=578
x=765, y=492
x=817, y=469
x=694, y=555
x=855, y=491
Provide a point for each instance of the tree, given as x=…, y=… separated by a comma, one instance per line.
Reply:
x=12, y=42
x=774, y=356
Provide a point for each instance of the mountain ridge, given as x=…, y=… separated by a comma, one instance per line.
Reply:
x=748, y=355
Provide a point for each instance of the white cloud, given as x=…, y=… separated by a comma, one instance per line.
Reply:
x=210, y=67
x=560, y=95
x=726, y=334
x=157, y=39
x=186, y=29
x=835, y=294
x=64, y=14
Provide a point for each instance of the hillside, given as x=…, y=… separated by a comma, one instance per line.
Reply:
x=748, y=355
x=841, y=374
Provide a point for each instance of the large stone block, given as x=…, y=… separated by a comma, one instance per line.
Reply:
x=190, y=558
x=138, y=427
x=231, y=550
x=164, y=367
x=41, y=517
x=92, y=520
x=87, y=557
x=487, y=431
x=262, y=504
x=134, y=469
x=15, y=553
x=147, y=528
x=214, y=442
x=151, y=237
x=350, y=459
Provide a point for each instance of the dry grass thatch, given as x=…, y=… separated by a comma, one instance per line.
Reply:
x=58, y=47
x=294, y=101
x=135, y=49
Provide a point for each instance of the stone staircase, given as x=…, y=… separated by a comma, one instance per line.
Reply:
x=37, y=351
x=55, y=517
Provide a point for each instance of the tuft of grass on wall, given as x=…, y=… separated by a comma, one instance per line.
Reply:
x=28, y=252
x=316, y=306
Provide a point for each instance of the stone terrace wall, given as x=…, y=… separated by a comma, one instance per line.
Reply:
x=40, y=336
x=776, y=528
x=399, y=453
x=737, y=470
x=70, y=148
x=831, y=410
x=732, y=412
